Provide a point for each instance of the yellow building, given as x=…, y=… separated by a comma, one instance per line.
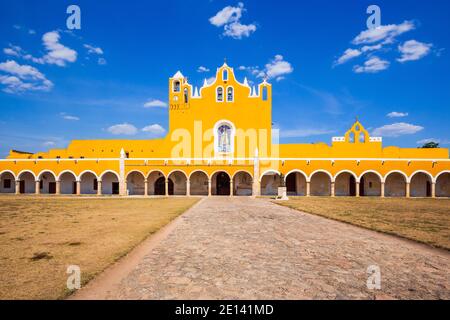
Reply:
x=220, y=142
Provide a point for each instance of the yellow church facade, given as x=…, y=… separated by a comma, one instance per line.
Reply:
x=220, y=142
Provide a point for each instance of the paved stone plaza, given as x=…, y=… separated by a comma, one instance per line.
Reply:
x=244, y=248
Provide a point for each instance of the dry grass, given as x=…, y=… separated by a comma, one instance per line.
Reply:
x=423, y=220
x=40, y=237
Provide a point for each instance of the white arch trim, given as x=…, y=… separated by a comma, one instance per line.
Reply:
x=441, y=173
x=25, y=171
x=87, y=171
x=8, y=171
x=49, y=171
x=371, y=171
x=109, y=171
x=346, y=171
x=396, y=171
x=217, y=171
x=58, y=178
x=421, y=171
x=177, y=170
x=135, y=171
x=296, y=170
x=318, y=171
x=269, y=171
x=190, y=175
x=243, y=171
x=152, y=171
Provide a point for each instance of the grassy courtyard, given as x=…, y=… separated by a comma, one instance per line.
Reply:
x=423, y=220
x=41, y=236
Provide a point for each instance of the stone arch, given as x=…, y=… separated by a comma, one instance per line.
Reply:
x=135, y=183
x=7, y=182
x=179, y=180
x=321, y=183
x=296, y=182
x=27, y=180
x=270, y=182
x=220, y=183
x=68, y=182
x=88, y=182
x=156, y=181
x=110, y=182
x=198, y=183
x=345, y=183
x=395, y=184
x=47, y=182
x=421, y=184
x=443, y=184
x=242, y=183
x=370, y=183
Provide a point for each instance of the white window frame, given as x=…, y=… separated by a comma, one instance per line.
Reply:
x=173, y=86
x=232, y=95
x=216, y=137
x=217, y=94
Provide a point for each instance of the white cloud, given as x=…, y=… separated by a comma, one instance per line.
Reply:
x=48, y=143
x=154, y=129
x=371, y=48
x=237, y=30
x=227, y=15
x=123, y=129
x=23, y=71
x=57, y=53
x=395, y=114
x=69, y=117
x=413, y=50
x=12, y=51
x=297, y=133
x=396, y=129
x=202, y=69
x=373, y=65
x=101, y=61
x=348, y=55
x=92, y=49
x=386, y=33
x=277, y=68
x=22, y=78
x=155, y=103
x=31, y=31
x=210, y=80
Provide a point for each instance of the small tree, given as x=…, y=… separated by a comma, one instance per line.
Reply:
x=430, y=145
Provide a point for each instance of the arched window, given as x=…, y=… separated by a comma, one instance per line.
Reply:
x=264, y=94
x=225, y=75
x=362, y=137
x=219, y=94
x=186, y=95
x=176, y=86
x=351, y=137
x=230, y=94
x=224, y=136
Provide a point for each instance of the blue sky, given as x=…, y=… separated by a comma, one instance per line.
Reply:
x=109, y=79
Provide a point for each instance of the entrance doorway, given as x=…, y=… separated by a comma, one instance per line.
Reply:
x=352, y=186
x=291, y=185
x=115, y=188
x=223, y=184
x=160, y=186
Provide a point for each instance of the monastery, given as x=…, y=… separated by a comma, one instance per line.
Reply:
x=220, y=142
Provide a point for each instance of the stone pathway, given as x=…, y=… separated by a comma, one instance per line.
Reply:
x=243, y=248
